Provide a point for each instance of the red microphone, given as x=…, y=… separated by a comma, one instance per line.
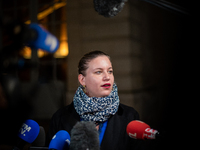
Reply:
x=139, y=130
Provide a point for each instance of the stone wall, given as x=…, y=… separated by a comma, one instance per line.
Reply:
x=87, y=30
x=143, y=41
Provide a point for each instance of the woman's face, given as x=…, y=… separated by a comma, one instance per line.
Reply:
x=99, y=77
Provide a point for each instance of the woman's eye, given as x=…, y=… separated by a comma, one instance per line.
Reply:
x=98, y=72
x=111, y=71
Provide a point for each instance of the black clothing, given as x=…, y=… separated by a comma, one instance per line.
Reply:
x=115, y=137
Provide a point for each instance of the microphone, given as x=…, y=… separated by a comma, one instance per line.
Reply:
x=37, y=37
x=60, y=141
x=139, y=130
x=27, y=133
x=84, y=136
x=109, y=8
x=40, y=140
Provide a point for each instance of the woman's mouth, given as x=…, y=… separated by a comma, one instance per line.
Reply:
x=107, y=85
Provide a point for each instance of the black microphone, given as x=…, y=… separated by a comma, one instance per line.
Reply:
x=39, y=143
x=109, y=8
x=84, y=136
x=40, y=140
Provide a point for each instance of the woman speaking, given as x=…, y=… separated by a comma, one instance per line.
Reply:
x=97, y=100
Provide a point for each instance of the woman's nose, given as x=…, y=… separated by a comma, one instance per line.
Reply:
x=106, y=76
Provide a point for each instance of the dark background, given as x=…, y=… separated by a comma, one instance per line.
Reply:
x=170, y=78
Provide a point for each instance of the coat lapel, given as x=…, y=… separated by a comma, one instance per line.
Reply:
x=112, y=133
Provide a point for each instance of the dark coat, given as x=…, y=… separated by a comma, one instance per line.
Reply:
x=115, y=137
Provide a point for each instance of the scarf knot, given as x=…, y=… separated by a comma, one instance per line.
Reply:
x=97, y=109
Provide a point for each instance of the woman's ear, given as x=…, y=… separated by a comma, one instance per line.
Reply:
x=81, y=79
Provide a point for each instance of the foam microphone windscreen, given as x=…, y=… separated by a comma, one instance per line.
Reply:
x=29, y=131
x=40, y=140
x=84, y=136
x=60, y=141
x=109, y=8
x=136, y=129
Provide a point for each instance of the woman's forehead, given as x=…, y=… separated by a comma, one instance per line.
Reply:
x=100, y=62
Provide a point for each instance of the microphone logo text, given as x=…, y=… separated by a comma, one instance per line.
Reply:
x=133, y=135
x=25, y=128
x=150, y=133
x=51, y=41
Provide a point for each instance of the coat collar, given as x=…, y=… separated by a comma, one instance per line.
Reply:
x=113, y=130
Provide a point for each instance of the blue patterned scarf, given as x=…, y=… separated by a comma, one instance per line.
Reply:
x=96, y=109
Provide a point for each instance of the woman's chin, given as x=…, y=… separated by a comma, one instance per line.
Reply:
x=101, y=94
x=106, y=93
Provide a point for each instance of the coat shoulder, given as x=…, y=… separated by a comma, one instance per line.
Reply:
x=129, y=112
x=63, y=111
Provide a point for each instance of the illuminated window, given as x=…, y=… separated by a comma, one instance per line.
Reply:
x=51, y=14
x=44, y=18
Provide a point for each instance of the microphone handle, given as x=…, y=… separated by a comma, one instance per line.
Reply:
x=160, y=135
x=15, y=148
x=20, y=144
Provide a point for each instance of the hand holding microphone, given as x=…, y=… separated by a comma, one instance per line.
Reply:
x=139, y=130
